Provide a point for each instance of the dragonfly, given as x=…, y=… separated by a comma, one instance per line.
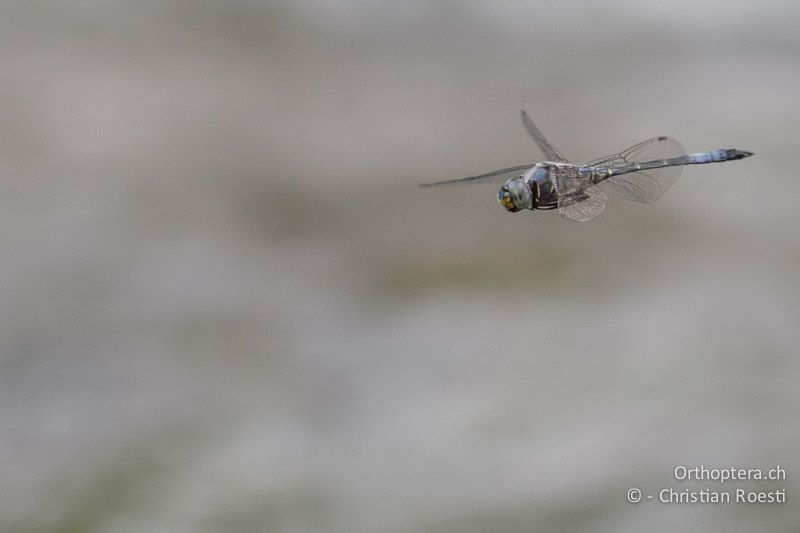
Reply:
x=641, y=173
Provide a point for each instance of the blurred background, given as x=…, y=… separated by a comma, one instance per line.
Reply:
x=226, y=306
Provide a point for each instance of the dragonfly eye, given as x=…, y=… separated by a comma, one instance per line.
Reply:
x=520, y=194
x=515, y=195
x=504, y=197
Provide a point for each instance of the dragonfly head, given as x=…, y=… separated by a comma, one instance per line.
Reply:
x=515, y=195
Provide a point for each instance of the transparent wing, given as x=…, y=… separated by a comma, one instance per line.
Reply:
x=551, y=153
x=644, y=185
x=494, y=176
x=578, y=198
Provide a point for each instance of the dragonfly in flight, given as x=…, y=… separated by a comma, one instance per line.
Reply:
x=641, y=173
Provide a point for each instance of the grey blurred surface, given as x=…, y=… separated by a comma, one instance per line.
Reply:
x=227, y=307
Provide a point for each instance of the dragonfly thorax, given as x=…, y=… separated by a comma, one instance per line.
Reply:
x=533, y=189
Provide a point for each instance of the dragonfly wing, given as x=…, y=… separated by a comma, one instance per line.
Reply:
x=592, y=205
x=578, y=198
x=645, y=185
x=551, y=153
x=494, y=176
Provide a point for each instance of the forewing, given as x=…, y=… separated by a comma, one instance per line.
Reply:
x=578, y=198
x=551, y=153
x=644, y=185
x=494, y=176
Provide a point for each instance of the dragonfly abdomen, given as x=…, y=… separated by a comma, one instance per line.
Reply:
x=714, y=156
